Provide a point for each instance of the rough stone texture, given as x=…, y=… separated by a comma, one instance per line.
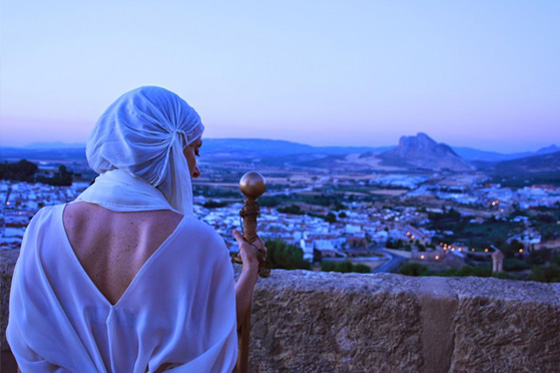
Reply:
x=304, y=321
x=329, y=322
x=506, y=326
x=7, y=262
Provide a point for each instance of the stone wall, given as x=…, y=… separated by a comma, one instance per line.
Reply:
x=7, y=262
x=329, y=322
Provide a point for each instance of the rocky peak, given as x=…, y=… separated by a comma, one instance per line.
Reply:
x=421, y=151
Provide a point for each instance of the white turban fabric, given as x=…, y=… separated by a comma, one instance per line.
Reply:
x=141, y=137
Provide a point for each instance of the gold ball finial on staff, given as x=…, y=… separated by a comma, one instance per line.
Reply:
x=253, y=185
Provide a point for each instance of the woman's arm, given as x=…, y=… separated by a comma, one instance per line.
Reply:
x=249, y=275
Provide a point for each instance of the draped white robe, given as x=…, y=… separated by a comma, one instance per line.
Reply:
x=179, y=309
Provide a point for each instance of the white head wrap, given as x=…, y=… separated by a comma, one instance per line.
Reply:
x=140, y=139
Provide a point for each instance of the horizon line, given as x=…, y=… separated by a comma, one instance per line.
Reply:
x=62, y=144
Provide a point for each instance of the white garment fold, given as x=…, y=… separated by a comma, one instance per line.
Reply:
x=117, y=190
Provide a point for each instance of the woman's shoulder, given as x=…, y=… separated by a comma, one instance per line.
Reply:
x=40, y=229
x=197, y=232
x=45, y=215
x=191, y=224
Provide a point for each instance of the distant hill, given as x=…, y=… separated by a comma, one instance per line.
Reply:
x=533, y=164
x=549, y=149
x=270, y=151
x=471, y=154
x=54, y=145
x=536, y=169
x=212, y=150
x=44, y=154
x=276, y=148
x=423, y=152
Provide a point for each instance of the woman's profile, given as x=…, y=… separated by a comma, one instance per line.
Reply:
x=125, y=278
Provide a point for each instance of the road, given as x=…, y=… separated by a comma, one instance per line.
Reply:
x=390, y=265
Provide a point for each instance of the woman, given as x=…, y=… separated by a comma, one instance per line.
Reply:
x=125, y=279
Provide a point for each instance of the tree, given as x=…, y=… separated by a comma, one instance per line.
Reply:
x=414, y=269
x=61, y=178
x=19, y=171
x=512, y=264
x=268, y=201
x=344, y=267
x=361, y=268
x=504, y=276
x=337, y=206
x=285, y=256
x=292, y=209
x=213, y=204
x=539, y=257
x=543, y=273
x=328, y=266
x=511, y=249
x=479, y=271
x=330, y=218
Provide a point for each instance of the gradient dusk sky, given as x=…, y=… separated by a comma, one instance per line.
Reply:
x=484, y=74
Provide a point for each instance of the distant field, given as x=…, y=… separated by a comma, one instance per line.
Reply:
x=216, y=184
x=390, y=192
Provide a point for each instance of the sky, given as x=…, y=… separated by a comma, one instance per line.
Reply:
x=482, y=74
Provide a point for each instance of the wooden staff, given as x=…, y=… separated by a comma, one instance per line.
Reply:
x=252, y=185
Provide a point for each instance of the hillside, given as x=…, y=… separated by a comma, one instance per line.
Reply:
x=416, y=152
x=275, y=148
x=538, y=169
x=213, y=149
x=44, y=154
x=471, y=154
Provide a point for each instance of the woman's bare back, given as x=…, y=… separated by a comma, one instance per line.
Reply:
x=113, y=246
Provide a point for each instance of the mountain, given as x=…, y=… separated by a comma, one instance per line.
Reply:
x=275, y=150
x=421, y=151
x=471, y=154
x=530, y=165
x=537, y=169
x=251, y=148
x=44, y=154
x=549, y=149
x=212, y=149
x=54, y=145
